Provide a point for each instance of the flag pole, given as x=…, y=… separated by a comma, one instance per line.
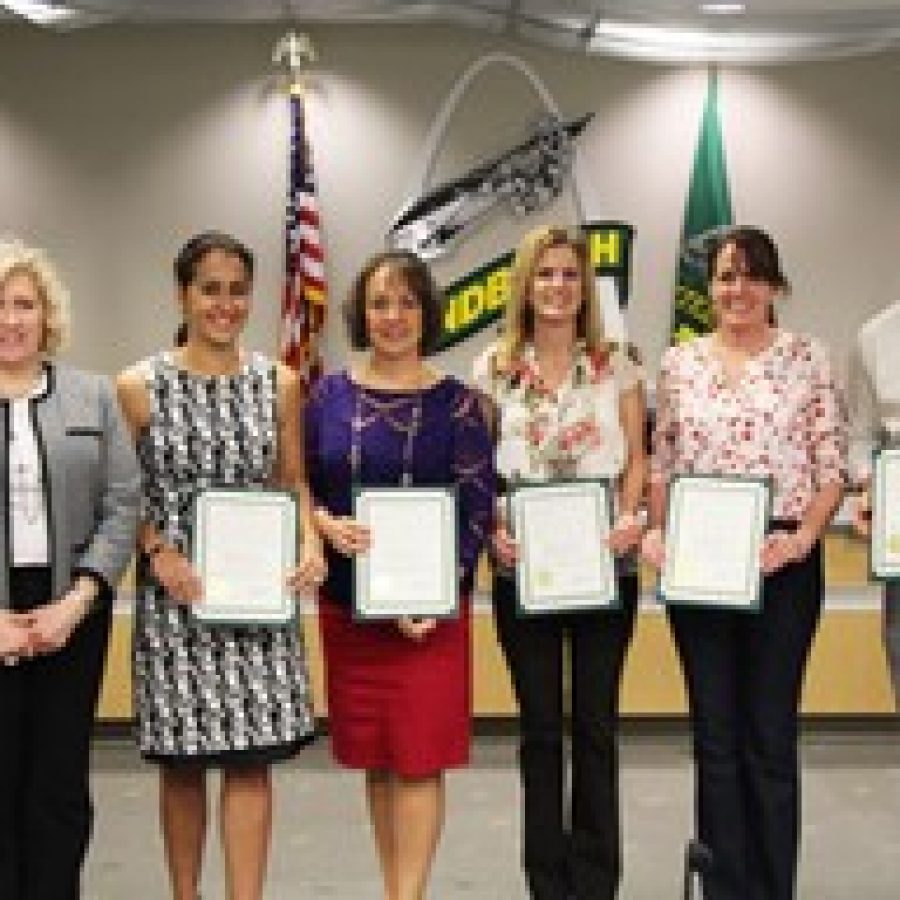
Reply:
x=707, y=210
x=304, y=294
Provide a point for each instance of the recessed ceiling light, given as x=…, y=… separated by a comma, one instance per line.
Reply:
x=41, y=13
x=722, y=9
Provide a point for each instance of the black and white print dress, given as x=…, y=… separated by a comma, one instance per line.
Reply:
x=210, y=694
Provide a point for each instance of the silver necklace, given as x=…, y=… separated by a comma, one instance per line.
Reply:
x=389, y=410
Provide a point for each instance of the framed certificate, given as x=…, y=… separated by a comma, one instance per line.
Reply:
x=564, y=561
x=411, y=567
x=885, y=547
x=714, y=534
x=245, y=543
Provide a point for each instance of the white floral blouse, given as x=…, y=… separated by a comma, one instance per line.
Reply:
x=574, y=431
x=785, y=418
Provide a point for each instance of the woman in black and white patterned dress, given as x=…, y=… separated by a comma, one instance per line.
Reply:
x=236, y=698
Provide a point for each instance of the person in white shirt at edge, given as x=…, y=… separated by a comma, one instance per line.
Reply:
x=69, y=489
x=875, y=418
x=569, y=403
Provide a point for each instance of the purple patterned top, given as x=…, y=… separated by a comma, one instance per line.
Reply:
x=452, y=446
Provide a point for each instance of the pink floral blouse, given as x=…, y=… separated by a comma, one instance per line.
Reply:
x=572, y=432
x=785, y=418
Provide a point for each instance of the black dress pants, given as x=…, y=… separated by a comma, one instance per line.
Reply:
x=47, y=709
x=744, y=676
x=583, y=860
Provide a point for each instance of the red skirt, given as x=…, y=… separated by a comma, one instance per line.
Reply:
x=395, y=704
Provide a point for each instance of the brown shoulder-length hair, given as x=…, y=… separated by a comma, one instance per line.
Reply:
x=760, y=257
x=519, y=327
x=418, y=279
x=758, y=251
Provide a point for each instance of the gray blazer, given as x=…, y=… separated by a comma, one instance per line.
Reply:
x=91, y=480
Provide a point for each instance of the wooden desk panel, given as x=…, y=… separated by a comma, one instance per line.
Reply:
x=847, y=671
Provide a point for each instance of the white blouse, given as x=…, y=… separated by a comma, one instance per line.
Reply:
x=28, y=504
x=572, y=432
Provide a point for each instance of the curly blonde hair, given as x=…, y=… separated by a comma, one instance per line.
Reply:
x=519, y=321
x=17, y=258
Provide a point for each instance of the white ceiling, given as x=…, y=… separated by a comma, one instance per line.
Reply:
x=671, y=30
x=584, y=11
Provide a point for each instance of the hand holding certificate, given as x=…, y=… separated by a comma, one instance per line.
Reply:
x=565, y=562
x=716, y=526
x=410, y=568
x=245, y=545
x=886, y=514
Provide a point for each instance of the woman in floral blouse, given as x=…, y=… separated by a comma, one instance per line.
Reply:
x=569, y=404
x=751, y=399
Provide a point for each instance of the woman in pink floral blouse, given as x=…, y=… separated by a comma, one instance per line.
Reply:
x=751, y=399
x=569, y=404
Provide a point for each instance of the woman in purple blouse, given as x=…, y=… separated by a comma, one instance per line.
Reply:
x=399, y=698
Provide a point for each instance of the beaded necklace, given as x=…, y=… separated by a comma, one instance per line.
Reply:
x=368, y=409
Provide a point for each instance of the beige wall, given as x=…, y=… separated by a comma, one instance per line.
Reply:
x=117, y=143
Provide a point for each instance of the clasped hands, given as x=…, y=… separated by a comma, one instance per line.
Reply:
x=45, y=629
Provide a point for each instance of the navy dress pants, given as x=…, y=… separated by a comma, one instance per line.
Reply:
x=744, y=674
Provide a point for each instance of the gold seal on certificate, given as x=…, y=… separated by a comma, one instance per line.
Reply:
x=886, y=514
x=411, y=567
x=715, y=530
x=565, y=563
x=245, y=543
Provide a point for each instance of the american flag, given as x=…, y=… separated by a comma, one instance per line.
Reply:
x=304, y=302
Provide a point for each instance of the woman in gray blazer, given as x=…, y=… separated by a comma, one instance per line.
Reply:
x=68, y=514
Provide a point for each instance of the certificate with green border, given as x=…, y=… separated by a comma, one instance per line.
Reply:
x=715, y=528
x=245, y=543
x=565, y=563
x=885, y=548
x=411, y=567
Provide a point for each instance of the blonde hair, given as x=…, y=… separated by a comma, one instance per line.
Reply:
x=17, y=258
x=519, y=327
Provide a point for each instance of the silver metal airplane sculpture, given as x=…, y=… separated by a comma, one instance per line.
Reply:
x=528, y=176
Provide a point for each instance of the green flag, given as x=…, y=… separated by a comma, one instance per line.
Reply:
x=708, y=209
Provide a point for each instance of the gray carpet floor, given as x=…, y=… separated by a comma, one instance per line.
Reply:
x=321, y=847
